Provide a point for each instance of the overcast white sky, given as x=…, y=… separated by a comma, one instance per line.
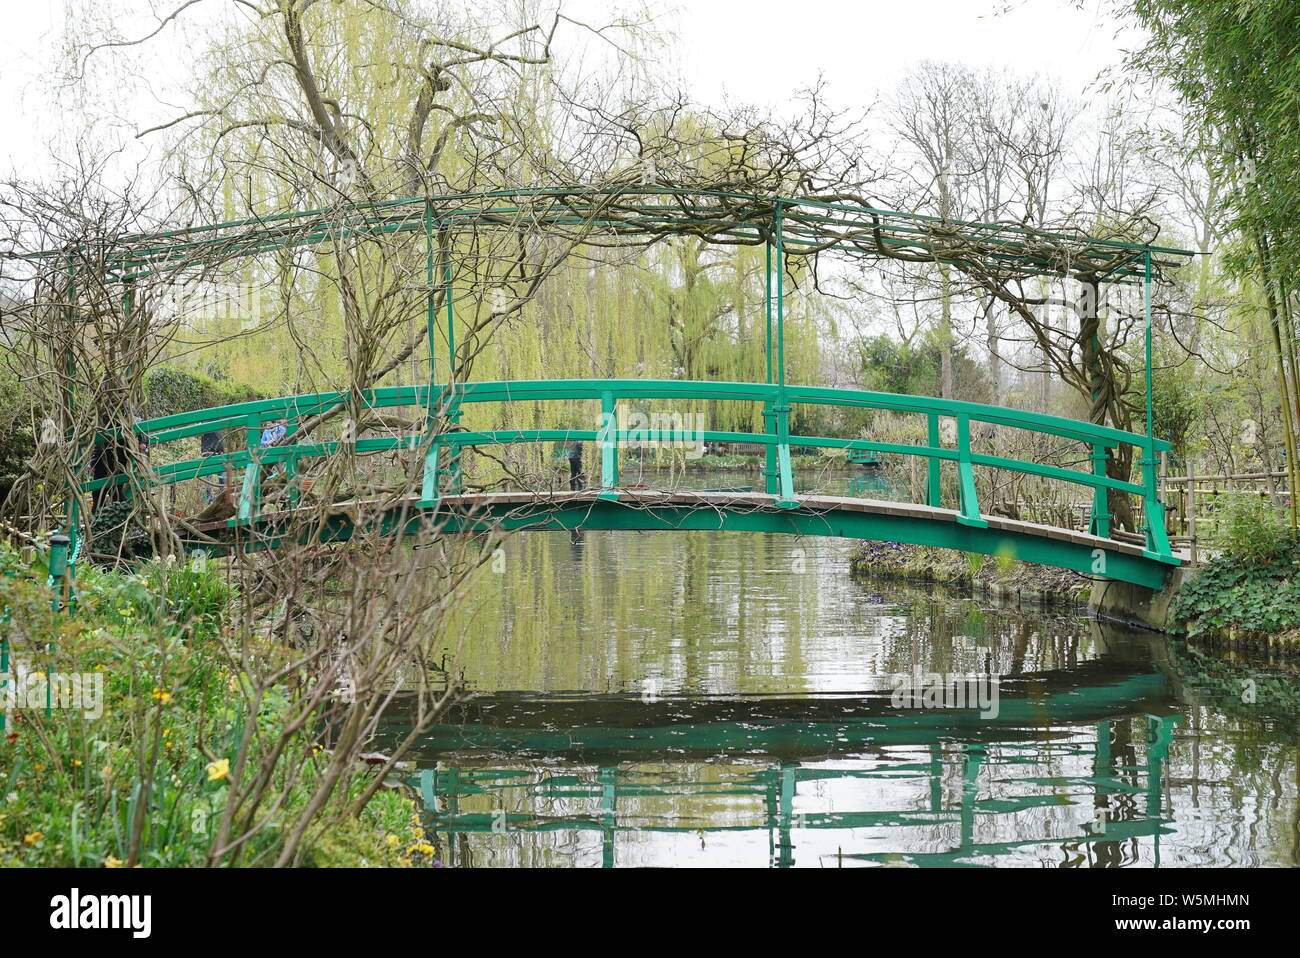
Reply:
x=756, y=51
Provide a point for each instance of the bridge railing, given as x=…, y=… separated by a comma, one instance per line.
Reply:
x=440, y=447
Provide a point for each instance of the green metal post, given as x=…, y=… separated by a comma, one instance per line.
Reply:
x=970, y=507
x=1146, y=312
x=785, y=467
x=767, y=299
x=250, y=493
x=58, y=571
x=770, y=470
x=74, y=493
x=780, y=300
x=58, y=568
x=934, y=480
x=429, y=480
x=431, y=320
x=608, y=439
x=1099, y=522
x=453, y=399
x=782, y=407
x=1157, y=538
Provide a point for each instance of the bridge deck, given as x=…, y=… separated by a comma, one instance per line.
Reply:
x=820, y=515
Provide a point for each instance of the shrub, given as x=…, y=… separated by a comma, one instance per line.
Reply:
x=1252, y=529
x=1259, y=595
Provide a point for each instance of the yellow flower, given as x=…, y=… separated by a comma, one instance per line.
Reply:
x=218, y=769
x=392, y=840
x=162, y=696
x=111, y=862
x=31, y=838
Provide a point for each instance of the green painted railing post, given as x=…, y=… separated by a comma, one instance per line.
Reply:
x=250, y=494
x=58, y=568
x=934, y=479
x=1099, y=521
x=608, y=441
x=969, y=502
x=58, y=572
x=453, y=470
x=291, y=493
x=780, y=299
x=1157, y=537
x=784, y=466
x=4, y=656
x=1154, y=513
x=429, y=483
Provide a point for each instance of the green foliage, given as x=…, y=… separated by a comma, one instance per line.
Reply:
x=1234, y=65
x=17, y=441
x=1252, y=529
x=143, y=781
x=1257, y=595
x=1177, y=398
x=913, y=369
x=194, y=595
x=171, y=391
x=116, y=535
x=1253, y=587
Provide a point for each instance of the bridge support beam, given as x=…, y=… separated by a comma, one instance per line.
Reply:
x=1141, y=606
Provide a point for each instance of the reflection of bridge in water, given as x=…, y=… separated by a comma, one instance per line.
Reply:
x=1072, y=763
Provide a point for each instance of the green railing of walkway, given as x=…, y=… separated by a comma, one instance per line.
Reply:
x=441, y=447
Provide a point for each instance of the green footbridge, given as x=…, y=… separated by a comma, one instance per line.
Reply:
x=961, y=524
x=786, y=227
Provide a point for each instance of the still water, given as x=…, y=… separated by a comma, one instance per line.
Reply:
x=704, y=699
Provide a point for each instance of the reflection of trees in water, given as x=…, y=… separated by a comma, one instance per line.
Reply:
x=728, y=613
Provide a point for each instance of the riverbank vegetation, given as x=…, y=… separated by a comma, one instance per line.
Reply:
x=1021, y=582
x=180, y=744
x=1248, y=595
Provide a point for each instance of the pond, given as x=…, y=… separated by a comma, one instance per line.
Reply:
x=738, y=699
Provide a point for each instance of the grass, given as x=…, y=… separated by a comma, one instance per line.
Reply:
x=146, y=782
